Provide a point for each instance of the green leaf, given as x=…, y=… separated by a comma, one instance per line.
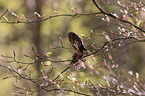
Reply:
x=48, y=53
x=82, y=35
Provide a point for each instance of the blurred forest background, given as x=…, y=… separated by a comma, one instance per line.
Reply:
x=18, y=35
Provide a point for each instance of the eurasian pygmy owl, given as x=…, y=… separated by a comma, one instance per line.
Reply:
x=79, y=51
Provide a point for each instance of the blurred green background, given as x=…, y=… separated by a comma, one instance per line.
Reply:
x=44, y=35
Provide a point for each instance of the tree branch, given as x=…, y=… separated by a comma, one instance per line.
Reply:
x=49, y=17
x=69, y=90
x=61, y=73
x=117, y=18
x=137, y=40
x=39, y=85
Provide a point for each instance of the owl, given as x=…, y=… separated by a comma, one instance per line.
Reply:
x=79, y=52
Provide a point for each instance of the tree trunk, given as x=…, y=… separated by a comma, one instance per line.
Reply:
x=35, y=6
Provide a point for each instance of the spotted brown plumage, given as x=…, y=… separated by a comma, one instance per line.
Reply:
x=79, y=51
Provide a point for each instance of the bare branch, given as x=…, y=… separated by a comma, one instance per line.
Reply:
x=123, y=38
x=61, y=73
x=116, y=17
x=49, y=17
x=39, y=85
x=69, y=90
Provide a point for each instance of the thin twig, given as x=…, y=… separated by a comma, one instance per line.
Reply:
x=69, y=90
x=61, y=73
x=3, y=13
x=23, y=77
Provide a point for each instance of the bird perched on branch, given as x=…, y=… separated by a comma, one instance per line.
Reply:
x=79, y=51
